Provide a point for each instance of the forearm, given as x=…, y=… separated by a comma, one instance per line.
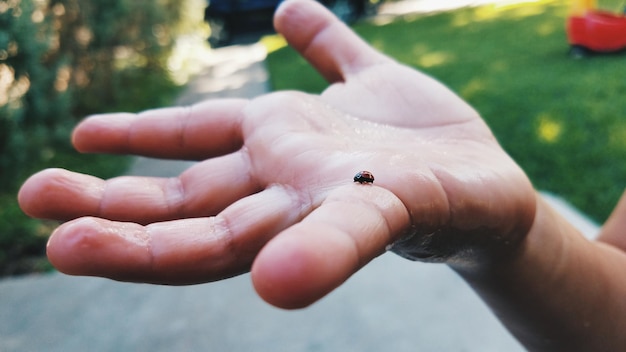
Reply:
x=559, y=291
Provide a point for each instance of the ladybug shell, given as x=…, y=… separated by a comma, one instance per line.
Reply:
x=364, y=177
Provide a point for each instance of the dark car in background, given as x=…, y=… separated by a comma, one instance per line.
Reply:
x=229, y=17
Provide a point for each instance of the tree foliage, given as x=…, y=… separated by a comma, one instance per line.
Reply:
x=61, y=60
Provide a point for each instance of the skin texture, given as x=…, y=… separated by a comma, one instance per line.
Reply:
x=275, y=170
x=273, y=194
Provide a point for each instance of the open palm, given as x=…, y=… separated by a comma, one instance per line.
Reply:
x=273, y=192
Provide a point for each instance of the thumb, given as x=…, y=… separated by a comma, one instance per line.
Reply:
x=322, y=39
x=354, y=225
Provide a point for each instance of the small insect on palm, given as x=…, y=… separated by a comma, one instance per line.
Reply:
x=364, y=177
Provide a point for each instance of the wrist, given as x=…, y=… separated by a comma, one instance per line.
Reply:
x=475, y=249
x=556, y=289
x=540, y=245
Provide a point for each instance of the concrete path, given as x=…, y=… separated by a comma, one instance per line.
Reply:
x=391, y=305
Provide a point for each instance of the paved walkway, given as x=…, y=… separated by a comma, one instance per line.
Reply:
x=391, y=305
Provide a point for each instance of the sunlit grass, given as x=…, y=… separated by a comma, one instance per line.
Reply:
x=562, y=119
x=273, y=43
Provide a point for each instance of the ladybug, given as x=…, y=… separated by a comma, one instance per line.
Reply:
x=364, y=177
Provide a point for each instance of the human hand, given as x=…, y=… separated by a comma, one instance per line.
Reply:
x=273, y=192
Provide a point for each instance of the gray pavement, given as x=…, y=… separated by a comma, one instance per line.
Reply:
x=390, y=305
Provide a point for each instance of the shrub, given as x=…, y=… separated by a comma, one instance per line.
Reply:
x=59, y=61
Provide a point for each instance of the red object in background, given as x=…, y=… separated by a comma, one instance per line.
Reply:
x=598, y=31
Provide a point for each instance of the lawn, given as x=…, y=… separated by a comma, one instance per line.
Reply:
x=563, y=120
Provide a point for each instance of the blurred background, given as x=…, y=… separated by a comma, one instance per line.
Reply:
x=59, y=62
x=560, y=116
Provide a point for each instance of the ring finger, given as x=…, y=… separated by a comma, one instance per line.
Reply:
x=199, y=191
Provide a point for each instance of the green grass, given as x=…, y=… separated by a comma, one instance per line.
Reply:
x=562, y=120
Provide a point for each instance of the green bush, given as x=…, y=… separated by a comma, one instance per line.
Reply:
x=61, y=60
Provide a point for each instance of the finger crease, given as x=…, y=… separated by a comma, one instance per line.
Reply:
x=176, y=203
x=184, y=121
x=251, y=177
x=150, y=249
x=222, y=224
x=100, y=209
